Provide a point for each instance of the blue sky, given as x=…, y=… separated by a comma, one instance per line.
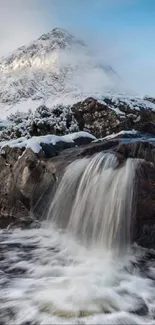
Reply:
x=112, y=15
x=97, y=14
x=123, y=31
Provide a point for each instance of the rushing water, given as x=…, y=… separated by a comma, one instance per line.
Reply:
x=94, y=201
x=48, y=278
x=68, y=271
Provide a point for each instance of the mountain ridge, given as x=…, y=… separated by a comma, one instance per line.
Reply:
x=56, y=68
x=59, y=69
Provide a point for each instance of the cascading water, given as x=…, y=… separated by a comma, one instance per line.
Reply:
x=94, y=200
x=48, y=277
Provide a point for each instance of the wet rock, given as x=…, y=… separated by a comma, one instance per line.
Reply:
x=51, y=150
x=137, y=149
x=145, y=205
x=97, y=146
x=148, y=128
x=22, y=186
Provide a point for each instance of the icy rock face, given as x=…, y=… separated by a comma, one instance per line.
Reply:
x=55, y=68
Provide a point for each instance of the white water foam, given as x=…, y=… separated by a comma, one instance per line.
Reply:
x=62, y=282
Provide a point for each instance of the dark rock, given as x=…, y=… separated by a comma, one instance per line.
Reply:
x=148, y=128
x=145, y=207
x=22, y=186
x=137, y=149
x=96, y=147
x=11, y=155
x=51, y=150
x=101, y=119
x=95, y=117
x=80, y=141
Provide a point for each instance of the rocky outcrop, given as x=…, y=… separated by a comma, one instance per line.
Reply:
x=110, y=116
x=23, y=183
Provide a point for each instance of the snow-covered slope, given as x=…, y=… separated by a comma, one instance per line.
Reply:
x=56, y=68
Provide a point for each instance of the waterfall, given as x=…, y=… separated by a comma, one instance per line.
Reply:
x=94, y=200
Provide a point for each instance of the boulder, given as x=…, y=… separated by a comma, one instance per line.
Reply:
x=110, y=116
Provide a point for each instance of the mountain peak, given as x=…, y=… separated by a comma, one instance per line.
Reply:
x=55, y=67
x=56, y=33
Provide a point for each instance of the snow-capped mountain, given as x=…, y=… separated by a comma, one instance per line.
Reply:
x=56, y=68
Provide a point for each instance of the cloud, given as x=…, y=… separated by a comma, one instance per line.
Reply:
x=20, y=22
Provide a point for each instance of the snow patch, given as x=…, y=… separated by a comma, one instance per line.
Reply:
x=114, y=135
x=34, y=143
